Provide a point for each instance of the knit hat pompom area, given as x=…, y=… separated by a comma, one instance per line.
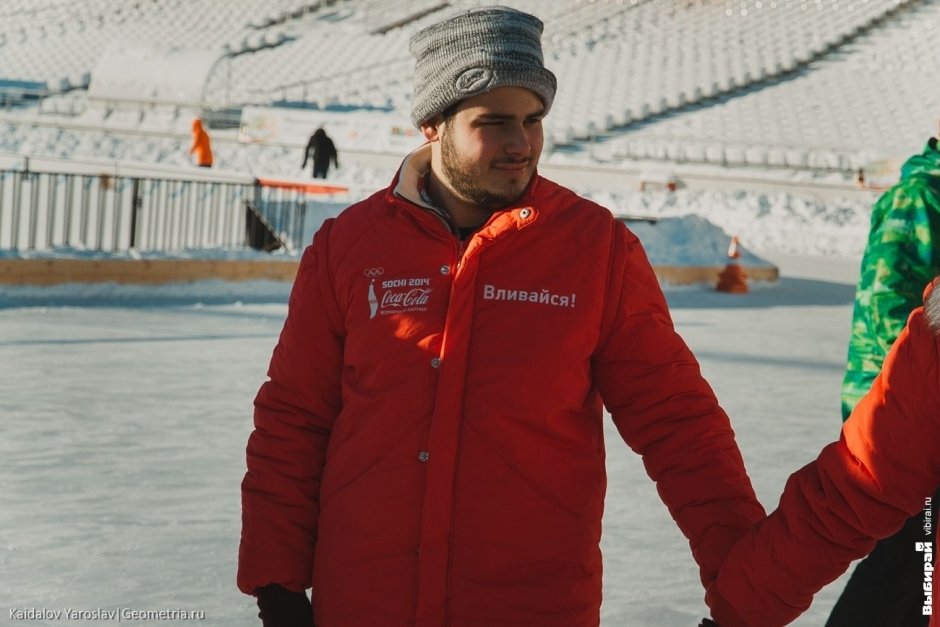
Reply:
x=475, y=52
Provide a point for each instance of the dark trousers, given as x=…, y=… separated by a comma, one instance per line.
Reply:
x=320, y=169
x=886, y=589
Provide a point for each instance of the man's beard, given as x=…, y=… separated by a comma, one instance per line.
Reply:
x=466, y=179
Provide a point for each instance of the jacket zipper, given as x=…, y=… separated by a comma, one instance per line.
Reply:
x=460, y=249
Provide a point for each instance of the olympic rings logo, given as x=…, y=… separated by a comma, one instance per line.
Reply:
x=373, y=273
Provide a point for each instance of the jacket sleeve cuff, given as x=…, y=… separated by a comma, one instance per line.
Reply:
x=283, y=608
x=722, y=612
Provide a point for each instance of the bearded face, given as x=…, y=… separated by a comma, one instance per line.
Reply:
x=491, y=146
x=484, y=184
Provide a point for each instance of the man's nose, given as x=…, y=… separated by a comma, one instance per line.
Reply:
x=517, y=142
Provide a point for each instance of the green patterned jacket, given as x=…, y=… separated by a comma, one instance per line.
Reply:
x=902, y=256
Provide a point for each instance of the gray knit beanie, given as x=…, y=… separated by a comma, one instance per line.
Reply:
x=475, y=52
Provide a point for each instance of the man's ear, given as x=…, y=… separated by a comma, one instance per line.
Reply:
x=432, y=128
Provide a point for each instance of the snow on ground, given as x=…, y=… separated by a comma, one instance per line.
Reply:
x=122, y=446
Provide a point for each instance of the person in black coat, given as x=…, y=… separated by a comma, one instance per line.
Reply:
x=321, y=148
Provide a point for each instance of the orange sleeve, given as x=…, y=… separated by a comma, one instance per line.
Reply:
x=860, y=489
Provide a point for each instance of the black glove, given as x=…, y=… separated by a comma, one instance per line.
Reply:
x=707, y=622
x=281, y=607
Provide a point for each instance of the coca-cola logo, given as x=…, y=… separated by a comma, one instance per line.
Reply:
x=396, y=294
x=411, y=298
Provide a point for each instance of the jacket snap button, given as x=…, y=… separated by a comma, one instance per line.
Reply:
x=445, y=269
x=436, y=362
x=423, y=456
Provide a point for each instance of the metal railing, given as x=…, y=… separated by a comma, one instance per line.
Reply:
x=112, y=213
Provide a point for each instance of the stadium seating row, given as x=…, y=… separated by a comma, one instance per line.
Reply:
x=670, y=78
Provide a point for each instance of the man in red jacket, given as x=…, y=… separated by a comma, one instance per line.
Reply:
x=428, y=450
x=883, y=470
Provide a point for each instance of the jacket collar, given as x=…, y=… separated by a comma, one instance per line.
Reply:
x=410, y=177
x=409, y=184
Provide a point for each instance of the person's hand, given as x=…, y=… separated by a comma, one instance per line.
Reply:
x=281, y=607
x=707, y=622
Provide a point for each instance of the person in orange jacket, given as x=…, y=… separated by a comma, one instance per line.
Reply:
x=429, y=447
x=883, y=469
x=201, y=146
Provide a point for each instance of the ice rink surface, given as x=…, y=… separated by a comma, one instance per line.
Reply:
x=124, y=426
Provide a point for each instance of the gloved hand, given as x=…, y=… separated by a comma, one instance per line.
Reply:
x=281, y=607
x=707, y=622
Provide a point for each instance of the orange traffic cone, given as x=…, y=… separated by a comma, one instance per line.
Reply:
x=733, y=279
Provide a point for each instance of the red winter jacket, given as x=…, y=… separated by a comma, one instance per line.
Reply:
x=429, y=448
x=861, y=488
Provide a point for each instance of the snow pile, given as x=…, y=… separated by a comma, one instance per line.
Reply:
x=763, y=221
x=688, y=241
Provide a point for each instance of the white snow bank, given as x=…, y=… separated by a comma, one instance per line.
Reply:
x=763, y=221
